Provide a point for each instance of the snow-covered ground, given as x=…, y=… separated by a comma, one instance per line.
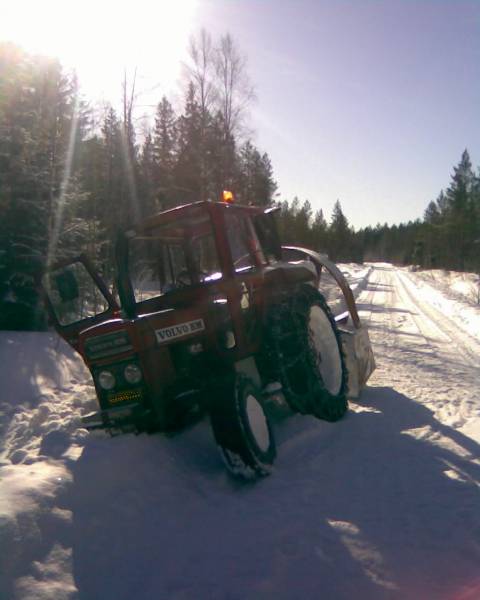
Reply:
x=461, y=286
x=383, y=504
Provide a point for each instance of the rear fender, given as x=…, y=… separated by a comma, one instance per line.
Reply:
x=359, y=358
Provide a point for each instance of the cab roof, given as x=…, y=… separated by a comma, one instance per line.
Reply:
x=192, y=216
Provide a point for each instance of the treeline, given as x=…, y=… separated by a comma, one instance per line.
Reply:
x=299, y=225
x=447, y=237
x=71, y=176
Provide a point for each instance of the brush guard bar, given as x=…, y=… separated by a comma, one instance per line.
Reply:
x=131, y=418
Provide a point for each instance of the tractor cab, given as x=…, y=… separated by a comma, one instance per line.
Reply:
x=191, y=295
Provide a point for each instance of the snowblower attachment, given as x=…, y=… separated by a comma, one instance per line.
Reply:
x=357, y=348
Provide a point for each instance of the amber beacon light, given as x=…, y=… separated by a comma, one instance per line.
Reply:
x=227, y=196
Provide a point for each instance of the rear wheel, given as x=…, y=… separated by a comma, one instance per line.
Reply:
x=242, y=429
x=304, y=351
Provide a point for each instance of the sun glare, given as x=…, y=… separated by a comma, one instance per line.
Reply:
x=101, y=39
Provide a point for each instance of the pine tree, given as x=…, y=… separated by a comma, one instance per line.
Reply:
x=220, y=164
x=255, y=176
x=319, y=232
x=475, y=199
x=286, y=221
x=339, y=234
x=148, y=183
x=39, y=125
x=459, y=228
x=302, y=224
x=187, y=172
x=265, y=186
x=432, y=214
x=165, y=153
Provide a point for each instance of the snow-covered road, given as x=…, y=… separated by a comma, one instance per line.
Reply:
x=422, y=351
x=383, y=504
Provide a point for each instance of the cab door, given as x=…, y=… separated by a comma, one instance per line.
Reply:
x=76, y=298
x=247, y=262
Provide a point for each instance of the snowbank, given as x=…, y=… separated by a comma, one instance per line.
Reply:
x=464, y=287
x=457, y=295
x=45, y=389
x=356, y=275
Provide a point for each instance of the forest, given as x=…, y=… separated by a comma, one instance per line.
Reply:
x=447, y=237
x=72, y=174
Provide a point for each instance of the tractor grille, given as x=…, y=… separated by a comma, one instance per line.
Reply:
x=125, y=396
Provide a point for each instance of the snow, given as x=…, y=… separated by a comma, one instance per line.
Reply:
x=383, y=504
x=463, y=286
x=457, y=295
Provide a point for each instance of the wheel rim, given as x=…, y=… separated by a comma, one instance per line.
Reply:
x=324, y=345
x=257, y=423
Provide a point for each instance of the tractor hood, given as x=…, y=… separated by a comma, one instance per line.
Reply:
x=119, y=338
x=106, y=340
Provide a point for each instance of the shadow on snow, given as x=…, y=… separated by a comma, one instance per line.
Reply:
x=379, y=505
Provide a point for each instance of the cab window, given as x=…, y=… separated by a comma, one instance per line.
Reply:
x=167, y=259
x=267, y=234
x=238, y=234
x=156, y=267
x=205, y=256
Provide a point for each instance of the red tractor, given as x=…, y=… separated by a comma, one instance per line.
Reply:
x=212, y=316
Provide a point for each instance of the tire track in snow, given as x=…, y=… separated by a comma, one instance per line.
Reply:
x=375, y=305
x=419, y=353
x=455, y=385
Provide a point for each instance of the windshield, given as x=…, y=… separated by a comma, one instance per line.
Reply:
x=172, y=257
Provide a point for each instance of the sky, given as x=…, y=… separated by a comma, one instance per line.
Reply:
x=369, y=102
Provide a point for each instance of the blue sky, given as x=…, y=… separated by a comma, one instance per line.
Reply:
x=368, y=101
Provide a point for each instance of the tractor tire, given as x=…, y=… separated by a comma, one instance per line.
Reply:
x=241, y=428
x=304, y=351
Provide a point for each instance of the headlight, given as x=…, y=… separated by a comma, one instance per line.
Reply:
x=132, y=373
x=230, y=341
x=195, y=348
x=106, y=380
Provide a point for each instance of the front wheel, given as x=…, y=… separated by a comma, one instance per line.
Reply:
x=242, y=429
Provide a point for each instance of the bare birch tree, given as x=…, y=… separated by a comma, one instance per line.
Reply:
x=200, y=71
x=200, y=74
x=235, y=92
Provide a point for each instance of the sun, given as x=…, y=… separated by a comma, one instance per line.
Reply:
x=103, y=38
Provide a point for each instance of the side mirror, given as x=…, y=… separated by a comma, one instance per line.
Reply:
x=67, y=286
